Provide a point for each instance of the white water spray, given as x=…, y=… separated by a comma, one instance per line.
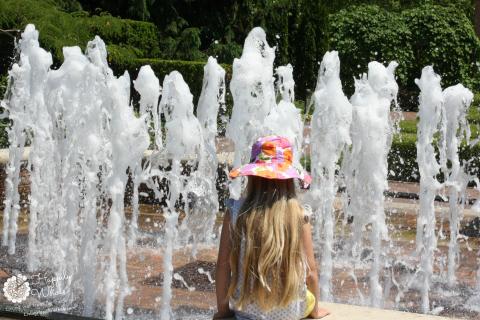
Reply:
x=183, y=139
x=80, y=123
x=199, y=224
x=25, y=96
x=148, y=86
x=330, y=136
x=366, y=164
x=285, y=119
x=253, y=95
x=431, y=112
x=85, y=137
x=457, y=100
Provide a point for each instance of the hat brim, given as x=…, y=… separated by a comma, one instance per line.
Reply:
x=272, y=171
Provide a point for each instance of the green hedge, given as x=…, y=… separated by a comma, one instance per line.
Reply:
x=402, y=159
x=59, y=28
x=403, y=166
x=192, y=71
x=442, y=36
x=137, y=35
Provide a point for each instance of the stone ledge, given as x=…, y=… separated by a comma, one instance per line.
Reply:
x=351, y=312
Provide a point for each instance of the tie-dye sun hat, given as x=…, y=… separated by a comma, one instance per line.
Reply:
x=271, y=158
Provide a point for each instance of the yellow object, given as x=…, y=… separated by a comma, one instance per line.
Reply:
x=309, y=303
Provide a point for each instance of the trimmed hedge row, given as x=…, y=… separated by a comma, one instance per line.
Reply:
x=59, y=28
x=192, y=71
x=402, y=159
x=140, y=37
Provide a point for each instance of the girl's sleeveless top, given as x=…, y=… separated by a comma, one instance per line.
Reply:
x=294, y=310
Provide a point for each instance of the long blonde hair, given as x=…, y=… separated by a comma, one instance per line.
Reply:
x=270, y=220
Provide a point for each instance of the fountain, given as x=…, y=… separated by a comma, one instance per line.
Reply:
x=330, y=139
x=366, y=166
x=285, y=119
x=430, y=115
x=457, y=101
x=148, y=86
x=86, y=147
x=253, y=95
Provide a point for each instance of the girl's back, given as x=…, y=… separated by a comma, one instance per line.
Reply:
x=266, y=267
x=267, y=259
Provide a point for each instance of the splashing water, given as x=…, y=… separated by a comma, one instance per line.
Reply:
x=23, y=99
x=212, y=100
x=285, y=119
x=329, y=139
x=86, y=143
x=431, y=113
x=366, y=164
x=457, y=100
x=148, y=86
x=253, y=95
x=183, y=139
x=79, y=120
x=178, y=277
x=474, y=302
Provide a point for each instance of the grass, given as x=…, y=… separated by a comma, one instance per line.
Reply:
x=473, y=117
x=408, y=126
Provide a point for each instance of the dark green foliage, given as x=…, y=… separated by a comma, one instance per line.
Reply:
x=225, y=52
x=444, y=37
x=366, y=33
x=402, y=159
x=131, y=9
x=142, y=37
x=416, y=37
x=4, y=124
x=465, y=6
x=68, y=5
x=302, y=30
x=59, y=28
x=3, y=85
x=309, y=39
x=179, y=42
x=188, y=46
x=7, y=49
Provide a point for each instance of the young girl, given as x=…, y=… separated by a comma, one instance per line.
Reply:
x=266, y=268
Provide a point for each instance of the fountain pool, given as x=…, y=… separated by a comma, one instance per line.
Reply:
x=113, y=210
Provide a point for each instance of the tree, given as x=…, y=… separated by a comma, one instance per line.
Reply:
x=477, y=17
